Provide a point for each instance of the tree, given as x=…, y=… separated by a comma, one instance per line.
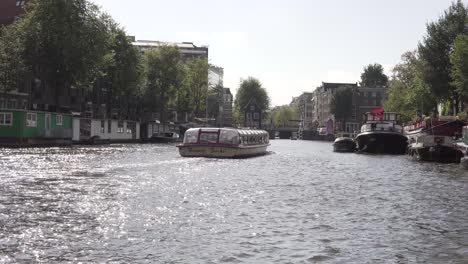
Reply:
x=435, y=50
x=373, y=75
x=122, y=67
x=407, y=92
x=341, y=104
x=459, y=61
x=64, y=42
x=283, y=115
x=248, y=89
x=164, y=75
x=11, y=64
x=197, y=74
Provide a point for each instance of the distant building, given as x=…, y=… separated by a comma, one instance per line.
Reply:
x=252, y=114
x=187, y=49
x=215, y=76
x=10, y=9
x=304, y=104
x=226, y=111
x=322, y=98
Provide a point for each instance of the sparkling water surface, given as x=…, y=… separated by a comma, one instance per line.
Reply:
x=301, y=203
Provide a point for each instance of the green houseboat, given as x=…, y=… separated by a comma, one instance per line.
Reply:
x=19, y=128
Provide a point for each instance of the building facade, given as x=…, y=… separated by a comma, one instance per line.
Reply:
x=187, y=49
x=306, y=112
x=322, y=98
x=10, y=9
x=226, y=111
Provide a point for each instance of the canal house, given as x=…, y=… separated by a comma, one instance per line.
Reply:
x=34, y=128
x=252, y=114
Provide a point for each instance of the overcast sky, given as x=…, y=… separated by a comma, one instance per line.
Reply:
x=291, y=46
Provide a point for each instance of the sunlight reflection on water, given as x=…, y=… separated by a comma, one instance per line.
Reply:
x=302, y=204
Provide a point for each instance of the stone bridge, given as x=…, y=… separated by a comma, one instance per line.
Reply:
x=282, y=132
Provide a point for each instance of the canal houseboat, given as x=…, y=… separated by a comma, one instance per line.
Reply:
x=442, y=126
x=224, y=142
x=381, y=133
x=435, y=148
x=102, y=131
x=21, y=128
x=435, y=140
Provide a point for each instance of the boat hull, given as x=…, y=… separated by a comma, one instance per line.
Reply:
x=159, y=139
x=344, y=145
x=437, y=153
x=221, y=151
x=382, y=142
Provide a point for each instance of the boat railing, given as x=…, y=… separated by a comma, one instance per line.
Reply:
x=378, y=127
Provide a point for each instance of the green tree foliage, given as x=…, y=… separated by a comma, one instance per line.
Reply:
x=11, y=64
x=197, y=74
x=184, y=102
x=459, y=60
x=163, y=76
x=436, y=48
x=64, y=42
x=407, y=92
x=341, y=104
x=248, y=89
x=284, y=115
x=215, y=100
x=373, y=75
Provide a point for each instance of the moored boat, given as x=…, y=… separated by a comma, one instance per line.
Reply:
x=435, y=148
x=167, y=137
x=344, y=144
x=224, y=143
x=381, y=133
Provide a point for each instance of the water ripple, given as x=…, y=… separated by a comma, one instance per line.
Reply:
x=302, y=203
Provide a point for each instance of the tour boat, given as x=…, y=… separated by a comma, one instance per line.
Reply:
x=435, y=148
x=224, y=142
x=381, y=133
x=344, y=144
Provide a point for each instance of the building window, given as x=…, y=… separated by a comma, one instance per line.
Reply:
x=25, y=105
x=6, y=119
x=31, y=119
x=103, y=126
x=109, y=126
x=58, y=120
x=256, y=116
x=120, y=127
x=2, y=103
x=12, y=104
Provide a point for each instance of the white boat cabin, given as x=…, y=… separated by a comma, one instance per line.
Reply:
x=386, y=121
x=225, y=136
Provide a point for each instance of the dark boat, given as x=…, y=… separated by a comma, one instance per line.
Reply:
x=381, y=133
x=344, y=144
x=435, y=148
x=166, y=137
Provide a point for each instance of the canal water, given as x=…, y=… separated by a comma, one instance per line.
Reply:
x=301, y=203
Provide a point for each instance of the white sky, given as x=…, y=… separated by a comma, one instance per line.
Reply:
x=291, y=46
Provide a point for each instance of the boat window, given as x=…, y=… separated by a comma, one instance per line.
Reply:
x=191, y=136
x=228, y=137
x=208, y=138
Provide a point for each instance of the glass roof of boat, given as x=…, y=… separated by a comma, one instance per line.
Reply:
x=240, y=131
